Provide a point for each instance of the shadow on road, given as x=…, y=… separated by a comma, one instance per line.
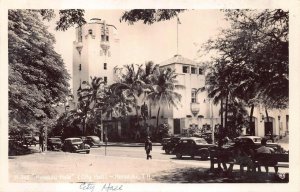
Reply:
x=189, y=158
x=21, y=150
x=202, y=175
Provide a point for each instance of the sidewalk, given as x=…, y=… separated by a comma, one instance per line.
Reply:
x=126, y=144
x=284, y=142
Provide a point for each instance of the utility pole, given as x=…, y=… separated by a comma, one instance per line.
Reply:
x=178, y=22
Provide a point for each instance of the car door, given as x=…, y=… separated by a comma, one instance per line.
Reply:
x=191, y=147
x=182, y=147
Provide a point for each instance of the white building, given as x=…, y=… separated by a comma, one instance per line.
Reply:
x=195, y=109
x=95, y=53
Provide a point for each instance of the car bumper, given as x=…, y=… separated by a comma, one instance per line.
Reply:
x=81, y=150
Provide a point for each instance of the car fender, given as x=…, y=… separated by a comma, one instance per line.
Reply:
x=86, y=146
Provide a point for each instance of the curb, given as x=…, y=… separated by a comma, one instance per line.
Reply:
x=127, y=145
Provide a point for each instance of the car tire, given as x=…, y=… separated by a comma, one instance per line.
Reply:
x=178, y=155
x=87, y=152
x=204, y=155
x=167, y=151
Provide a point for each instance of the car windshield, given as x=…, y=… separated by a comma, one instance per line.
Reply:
x=200, y=141
x=257, y=139
x=76, y=140
x=55, y=139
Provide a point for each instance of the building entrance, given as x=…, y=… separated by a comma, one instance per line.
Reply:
x=268, y=128
x=176, y=126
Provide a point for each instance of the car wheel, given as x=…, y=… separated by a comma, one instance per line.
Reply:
x=167, y=151
x=178, y=155
x=87, y=152
x=204, y=155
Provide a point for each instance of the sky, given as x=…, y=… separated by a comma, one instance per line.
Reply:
x=157, y=42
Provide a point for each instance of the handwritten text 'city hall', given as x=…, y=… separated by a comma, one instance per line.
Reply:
x=90, y=187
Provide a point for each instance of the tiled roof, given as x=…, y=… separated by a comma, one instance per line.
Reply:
x=178, y=59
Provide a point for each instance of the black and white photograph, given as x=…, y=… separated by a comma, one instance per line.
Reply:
x=165, y=98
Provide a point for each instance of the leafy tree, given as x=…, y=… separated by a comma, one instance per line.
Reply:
x=256, y=45
x=37, y=74
x=254, y=52
x=149, y=16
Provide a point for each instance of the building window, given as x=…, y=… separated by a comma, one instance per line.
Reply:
x=200, y=71
x=105, y=66
x=193, y=96
x=79, y=67
x=193, y=70
x=90, y=32
x=107, y=38
x=102, y=37
x=185, y=69
x=105, y=79
x=79, y=34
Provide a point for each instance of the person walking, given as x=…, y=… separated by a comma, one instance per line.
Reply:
x=148, y=148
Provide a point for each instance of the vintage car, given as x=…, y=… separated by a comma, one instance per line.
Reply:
x=207, y=137
x=54, y=143
x=255, y=142
x=192, y=146
x=75, y=145
x=93, y=141
x=164, y=141
x=29, y=140
x=170, y=144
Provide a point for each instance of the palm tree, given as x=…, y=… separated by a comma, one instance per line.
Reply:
x=221, y=85
x=89, y=98
x=162, y=90
x=130, y=85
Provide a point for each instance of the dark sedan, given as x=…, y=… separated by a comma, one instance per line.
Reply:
x=192, y=146
x=170, y=144
x=54, y=144
x=93, y=141
x=254, y=142
x=75, y=145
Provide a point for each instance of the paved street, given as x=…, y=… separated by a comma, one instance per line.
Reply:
x=121, y=164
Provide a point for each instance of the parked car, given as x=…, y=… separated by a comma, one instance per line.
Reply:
x=29, y=140
x=164, y=141
x=75, y=145
x=255, y=142
x=192, y=146
x=207, y=137
x=93, y=141
x=54, y=143
x=170, y=144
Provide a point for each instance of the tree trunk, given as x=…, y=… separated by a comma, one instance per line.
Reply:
x=267, y=116
x=226, y=114
x=222, y=111
x=252, y=132
x=157, y=118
